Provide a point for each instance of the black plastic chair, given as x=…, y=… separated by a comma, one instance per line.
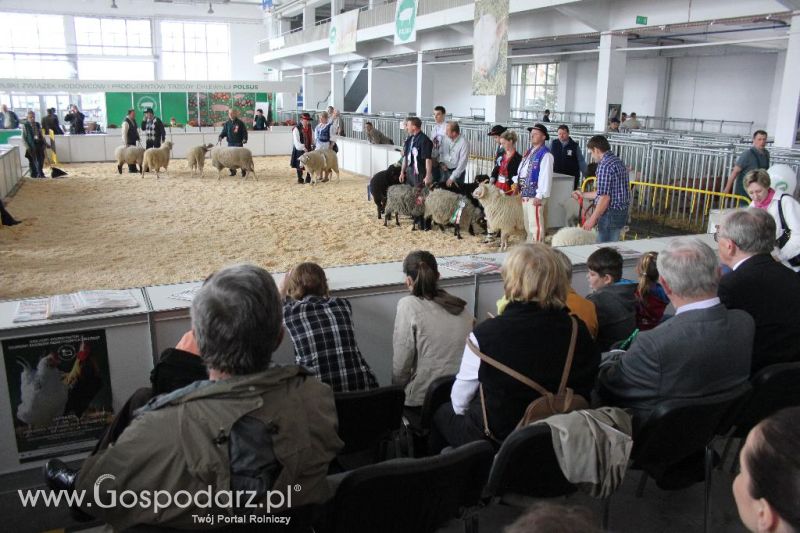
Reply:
x=418, y=427
x=774, y=387
x=411, y=495
x=526, y=466
x=678, y=430
x=369, y=420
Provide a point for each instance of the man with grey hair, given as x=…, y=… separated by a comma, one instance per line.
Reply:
x=703, y=350
x=252, y=429
x=763, y=287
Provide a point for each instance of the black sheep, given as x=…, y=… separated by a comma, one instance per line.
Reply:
x=380, y=183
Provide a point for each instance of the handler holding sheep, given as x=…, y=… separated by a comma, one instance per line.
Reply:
x=535, y=180
x=417, y=152
x=130, y=135
x=302, y=142
x=236, y=132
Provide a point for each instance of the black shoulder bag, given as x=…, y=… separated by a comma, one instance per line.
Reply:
x=786, y=232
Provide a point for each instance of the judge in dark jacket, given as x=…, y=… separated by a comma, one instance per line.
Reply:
x=130, y=134
x=703, y=350
x=567, y=156
x=235, y=131
x=154, y=131
x=760, y=285
x=50, y=122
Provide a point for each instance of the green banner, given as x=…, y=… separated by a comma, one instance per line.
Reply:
x=142, y=101
x=405, y=22
x=117, y=105
x=174, y=105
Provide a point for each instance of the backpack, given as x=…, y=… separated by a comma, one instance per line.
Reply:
x=548, y=404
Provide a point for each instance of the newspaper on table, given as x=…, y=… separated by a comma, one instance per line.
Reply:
x=186, y=294
x=626, y=253
x=471, y=265
x=74, y=304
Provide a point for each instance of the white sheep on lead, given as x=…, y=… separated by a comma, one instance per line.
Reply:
x=573, y=236
x=157, y=158
x=196, y=158
x=445, y=207
x=320, y=164
x=129, y=155
x=405, y=200
x=233, y=157
x=503, y=212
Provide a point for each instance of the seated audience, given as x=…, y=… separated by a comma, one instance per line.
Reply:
x=703, y=350
x=532, y=337
x=321, y=329
x=759, y=285
x=783, y=208
x=767, y=491
x=250, y=427
x=430, y=328
x=549, y=517
x=613, y=297
x=576, y=304
x=651, y=300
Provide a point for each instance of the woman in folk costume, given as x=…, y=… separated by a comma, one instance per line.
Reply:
x=322, y=133
x=302, y=141
x=535, y=182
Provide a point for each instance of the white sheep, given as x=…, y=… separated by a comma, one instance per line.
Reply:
x=442, y=206
x=232, y=157
x=128, y=155
x=320, y=164
x=572, y=210
x=197, y=157
x=573, y=237
x=157, y=158
x=503, y=212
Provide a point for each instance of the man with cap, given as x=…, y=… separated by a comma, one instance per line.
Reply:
x=302, y=139
x=130, y=136
x=236, y=132
x=495, y=133
x=567, y=156
x=535, y=181
x=153, y=128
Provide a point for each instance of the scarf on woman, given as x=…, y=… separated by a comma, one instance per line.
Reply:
x=763, y=204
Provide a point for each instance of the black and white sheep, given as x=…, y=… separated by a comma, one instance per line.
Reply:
x=380, y=183
x=232, y=157
x=442, y=206
x=503, y=212
x=408, y=201
x=196, y=157
x=129, y=155
x=157, y=158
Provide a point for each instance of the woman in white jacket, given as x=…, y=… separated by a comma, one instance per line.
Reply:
x=783, y=208
x=430, y=330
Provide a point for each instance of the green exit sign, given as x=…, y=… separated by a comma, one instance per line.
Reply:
x=641, y=20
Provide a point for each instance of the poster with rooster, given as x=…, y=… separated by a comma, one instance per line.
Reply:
x=60, y=392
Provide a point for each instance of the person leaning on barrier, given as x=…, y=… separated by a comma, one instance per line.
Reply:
x=260, y=121
x=755, y=157
x=766, y=490
x=8, y=119
x=75, y=119
x=759, y=285
x=250, y=427
x=783, y=208
x=374, y=136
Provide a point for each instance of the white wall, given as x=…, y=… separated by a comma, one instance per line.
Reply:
x=394, y=89
x=723, y=87
x=452, y=88
x=585, y=82
x=243, y=48
x=644, y=86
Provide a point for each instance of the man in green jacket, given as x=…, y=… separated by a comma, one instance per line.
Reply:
x=253, y=441
x=235, y=131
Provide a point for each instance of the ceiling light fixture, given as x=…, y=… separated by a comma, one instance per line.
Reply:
x=210, y=9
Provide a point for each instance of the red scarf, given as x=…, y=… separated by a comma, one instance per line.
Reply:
x=767, y=200
x=307, y=136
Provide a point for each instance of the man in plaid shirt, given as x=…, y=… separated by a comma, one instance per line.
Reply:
x=612, y=197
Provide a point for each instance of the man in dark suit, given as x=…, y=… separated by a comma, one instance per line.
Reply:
x=760, y=285
x=703, y=350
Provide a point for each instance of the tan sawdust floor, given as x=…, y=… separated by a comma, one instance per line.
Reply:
x=97, y=229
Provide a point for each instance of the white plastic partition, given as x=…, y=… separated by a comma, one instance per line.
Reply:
x=10, y=169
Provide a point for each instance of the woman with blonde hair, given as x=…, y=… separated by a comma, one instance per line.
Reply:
x=783, y=208
x=321, y=328
x=532, y=337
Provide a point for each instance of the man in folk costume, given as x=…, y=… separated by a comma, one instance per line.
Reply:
x=154, y=130
x=536, y=179
x=302, y=141
x=130, y=134
x=33, y=138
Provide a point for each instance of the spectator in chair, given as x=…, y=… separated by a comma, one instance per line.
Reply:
x=429, y=330
x=321, y=329
x=613, y=297
x=766, y=490
x=532, y=336
x=784, y=209
x=703, y=350
x=250, y=427
x=764, y=288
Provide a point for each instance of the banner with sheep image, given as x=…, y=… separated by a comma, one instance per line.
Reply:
x=342, y=33
x=405, y=22
x=490, y=48
x=60, y=392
